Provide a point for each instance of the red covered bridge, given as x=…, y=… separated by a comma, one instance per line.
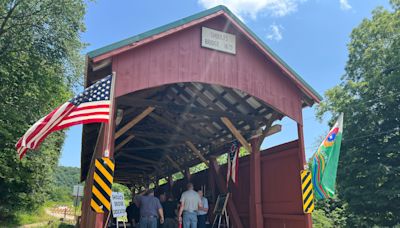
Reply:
x=184, y=92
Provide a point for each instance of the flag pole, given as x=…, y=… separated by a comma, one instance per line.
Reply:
x=111, y=124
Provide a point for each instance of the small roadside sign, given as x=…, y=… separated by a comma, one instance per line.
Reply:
x=118, y=205
x=77, y=191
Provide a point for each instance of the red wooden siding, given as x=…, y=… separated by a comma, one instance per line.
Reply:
x=180, y=58
x=280, y=181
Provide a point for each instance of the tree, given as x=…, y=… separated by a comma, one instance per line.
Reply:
x=369, y=96
x=40, y=61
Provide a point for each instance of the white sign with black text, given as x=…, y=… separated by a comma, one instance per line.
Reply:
x=220, y=41
x=118, y=204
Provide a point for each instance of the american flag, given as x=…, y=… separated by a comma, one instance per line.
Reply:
x=233, y=163
x=92, y=105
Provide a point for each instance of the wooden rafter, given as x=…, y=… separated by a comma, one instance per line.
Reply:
x=151, y=147
x=133, y=122
x=173, y=163
x=137, y=158
x=175, y=108
x=197, y=152
x=235, y=132
x=124, y=142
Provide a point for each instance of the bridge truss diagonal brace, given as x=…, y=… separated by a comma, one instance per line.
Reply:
x=133, y=122
x=235, y=132
x=197, y=153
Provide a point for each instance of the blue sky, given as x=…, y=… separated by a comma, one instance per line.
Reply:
x=310, y=35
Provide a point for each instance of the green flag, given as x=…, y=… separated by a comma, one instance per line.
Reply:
x=325, y=162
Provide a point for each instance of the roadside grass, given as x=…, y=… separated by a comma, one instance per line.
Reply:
x=38, y=216
x=23, y=218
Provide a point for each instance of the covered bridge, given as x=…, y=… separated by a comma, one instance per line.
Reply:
x=183, y=93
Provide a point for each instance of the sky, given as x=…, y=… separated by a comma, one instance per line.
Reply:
x=310, y=35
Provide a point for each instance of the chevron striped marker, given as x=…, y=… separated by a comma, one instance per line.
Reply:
x=102, y=183
x=307, y=191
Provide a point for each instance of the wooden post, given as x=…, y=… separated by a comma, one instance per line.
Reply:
x=255, y=212
x=211, y=185
x=221, y=184
x=187, y=174
x=170, y=184
x=104, y=147
x=302, y=163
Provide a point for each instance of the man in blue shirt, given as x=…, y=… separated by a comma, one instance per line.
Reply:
x=150, y=209
x=202, y=211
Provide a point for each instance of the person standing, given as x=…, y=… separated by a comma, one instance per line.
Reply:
x=150, y=210
x=169, y=208
x=190, y=204
x=202, y=212
x=133, y=214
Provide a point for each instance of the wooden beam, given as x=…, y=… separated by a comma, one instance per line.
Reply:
x=164, y=136
x=197, y=152
x=133, y=122
x=174, y=126
x=134, y=157
x=273, y=130
x=268, y=129
x=151, y=147
x=125, y=141
x=221, y=184
x=236, y=133
x=172, y=107
x=255, y=203
x=174, y=164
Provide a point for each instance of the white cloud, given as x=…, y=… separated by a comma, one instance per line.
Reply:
x=252, y=8
x=275, y=32
x=344, y=5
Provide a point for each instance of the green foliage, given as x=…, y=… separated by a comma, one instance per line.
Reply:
x=334, y=209
x=198, y=168
x=64, y=178
x=40, y=60
x=67, y=176
x=22, y=218
x=122, y=188
x=369, y=96
x=320, y=220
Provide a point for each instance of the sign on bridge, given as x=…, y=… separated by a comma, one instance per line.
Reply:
x=118, y=204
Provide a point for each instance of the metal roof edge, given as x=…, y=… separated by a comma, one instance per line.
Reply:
x=154, y=31
x=188, y=19
x=272, y=52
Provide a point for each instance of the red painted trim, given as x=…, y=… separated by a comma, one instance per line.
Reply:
x=271, y=57
x=155, y=37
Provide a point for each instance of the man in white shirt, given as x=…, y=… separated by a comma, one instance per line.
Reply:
x=202, y=212
x=190, y=204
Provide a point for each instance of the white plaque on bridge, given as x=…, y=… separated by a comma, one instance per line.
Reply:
x=217, y=40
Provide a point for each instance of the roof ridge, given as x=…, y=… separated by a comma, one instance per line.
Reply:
x=193, y=17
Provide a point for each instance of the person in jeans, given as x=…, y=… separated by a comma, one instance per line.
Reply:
x=190, y=204
x=202, y=212
x=150, y=209
x=169, y=208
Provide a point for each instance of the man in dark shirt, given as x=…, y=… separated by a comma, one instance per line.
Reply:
x=133, y=214
x=169, y=208
x=150, y=209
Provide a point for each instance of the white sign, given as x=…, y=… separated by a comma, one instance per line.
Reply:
x=217, y=40
x=118, y=204
x=77, y=191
